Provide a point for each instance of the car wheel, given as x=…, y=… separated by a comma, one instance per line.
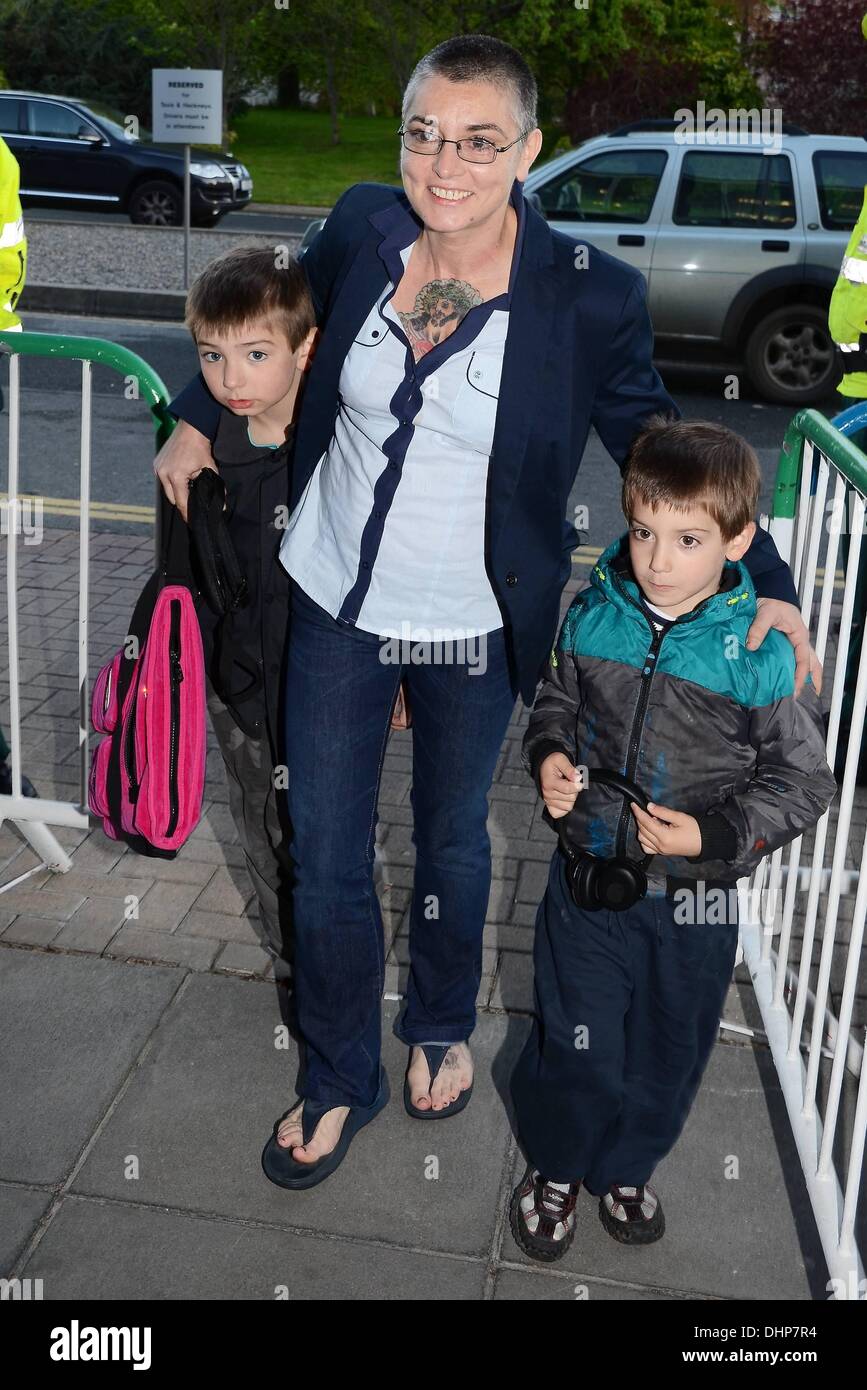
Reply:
x=790, y=356
x=157, y=204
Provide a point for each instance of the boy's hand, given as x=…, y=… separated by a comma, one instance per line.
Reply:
x=667, y=831
x=560, y=783
x=185, y=453
x=400, y=715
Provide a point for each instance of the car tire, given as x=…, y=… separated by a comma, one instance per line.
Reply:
x=790, y=356
x=157, y=203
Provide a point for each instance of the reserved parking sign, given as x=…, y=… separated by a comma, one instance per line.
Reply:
x=187, y=105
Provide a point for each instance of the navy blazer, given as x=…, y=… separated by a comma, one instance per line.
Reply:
x=578, y=353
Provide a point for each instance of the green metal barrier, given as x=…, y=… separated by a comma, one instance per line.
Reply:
x=846, y=457
x=150, y=384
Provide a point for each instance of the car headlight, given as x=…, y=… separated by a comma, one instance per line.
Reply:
x=205, y=169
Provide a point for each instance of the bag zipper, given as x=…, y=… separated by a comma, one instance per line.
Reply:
x=177, y=676
x=129, y=744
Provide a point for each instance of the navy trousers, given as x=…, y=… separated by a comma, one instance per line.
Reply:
x=627, y=1013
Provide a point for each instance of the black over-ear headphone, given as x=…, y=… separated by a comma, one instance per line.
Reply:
x=596, y=882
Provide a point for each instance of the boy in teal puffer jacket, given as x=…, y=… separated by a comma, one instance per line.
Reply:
x=651, y=678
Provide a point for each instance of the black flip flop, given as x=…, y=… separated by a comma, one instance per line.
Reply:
x=434, y=1055
x=279, y=1165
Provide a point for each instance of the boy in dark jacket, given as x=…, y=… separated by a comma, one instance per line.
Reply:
x=651, y=678
x=252, y=318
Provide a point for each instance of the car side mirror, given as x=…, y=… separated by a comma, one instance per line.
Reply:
x=88, y=134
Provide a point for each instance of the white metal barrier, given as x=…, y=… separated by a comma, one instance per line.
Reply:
x=828, y=1120
x=34, y=816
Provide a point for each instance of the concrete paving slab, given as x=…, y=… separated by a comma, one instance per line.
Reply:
x=749, y=1237
x=96, y=1250
x=527, y=1284
x=72, y=1028
x=201, y=1107
x=20, y=1210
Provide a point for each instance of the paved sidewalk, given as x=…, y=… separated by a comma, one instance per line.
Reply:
x=124, y=1173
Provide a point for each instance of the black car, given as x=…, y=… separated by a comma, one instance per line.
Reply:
x=74, y=154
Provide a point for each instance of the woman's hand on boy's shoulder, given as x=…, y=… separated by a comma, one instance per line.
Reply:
x=185, y=453
x=775, y=612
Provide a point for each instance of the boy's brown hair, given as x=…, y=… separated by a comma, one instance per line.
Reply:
x=248, y=283
x=692, y=463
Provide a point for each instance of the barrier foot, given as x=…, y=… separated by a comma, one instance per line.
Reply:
x=46, y=845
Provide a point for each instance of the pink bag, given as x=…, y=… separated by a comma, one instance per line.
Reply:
x=147, y=776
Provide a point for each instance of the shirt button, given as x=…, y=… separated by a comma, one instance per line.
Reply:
x=392, y=464
x=511, y=579
x=365, y=564
x=378, y=515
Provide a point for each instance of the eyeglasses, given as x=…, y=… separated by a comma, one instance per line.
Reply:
x=475, y=149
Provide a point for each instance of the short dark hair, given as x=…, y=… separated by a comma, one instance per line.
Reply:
x=479, y=58
x=692, y=463
x=249, y=283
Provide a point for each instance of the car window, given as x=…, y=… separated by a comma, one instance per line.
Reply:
x=734, y=188
x=841, y=177
x=47, y=118
x=619, y=186
x=10, y=115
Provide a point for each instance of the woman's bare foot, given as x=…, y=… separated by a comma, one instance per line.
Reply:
x=323, y=1140
x=455, y=1075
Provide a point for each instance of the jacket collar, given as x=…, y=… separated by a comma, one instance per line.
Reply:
x=736, y=593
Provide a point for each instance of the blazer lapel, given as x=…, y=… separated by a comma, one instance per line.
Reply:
x=531, y=319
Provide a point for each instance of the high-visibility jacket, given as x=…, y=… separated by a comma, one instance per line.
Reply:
x=13, y=243
x=847, y=315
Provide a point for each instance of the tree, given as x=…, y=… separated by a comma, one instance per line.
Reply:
x=812, y=61
x=336, y=48
x=655, y=58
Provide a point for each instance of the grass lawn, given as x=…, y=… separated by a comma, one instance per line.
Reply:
x=292, y=159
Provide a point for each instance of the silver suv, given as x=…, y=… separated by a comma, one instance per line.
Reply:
x=740, y=245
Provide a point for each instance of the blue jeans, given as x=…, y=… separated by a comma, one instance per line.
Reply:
x=339, y=698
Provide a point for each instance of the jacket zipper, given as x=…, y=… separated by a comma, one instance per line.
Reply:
x=177, y=676
x=644, y=696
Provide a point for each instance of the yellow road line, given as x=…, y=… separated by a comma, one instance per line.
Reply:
x=70, y=506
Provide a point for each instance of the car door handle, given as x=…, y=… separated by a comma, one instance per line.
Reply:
x=627, y=239
x=775, y=246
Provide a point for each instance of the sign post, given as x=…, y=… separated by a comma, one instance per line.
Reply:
x=187, y=107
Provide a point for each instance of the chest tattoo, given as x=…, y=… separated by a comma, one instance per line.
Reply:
x=439, y=307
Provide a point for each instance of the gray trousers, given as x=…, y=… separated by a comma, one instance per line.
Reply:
x=258, y=810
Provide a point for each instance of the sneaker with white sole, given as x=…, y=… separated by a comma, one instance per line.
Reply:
x=542, y=1215
x=632, y=1214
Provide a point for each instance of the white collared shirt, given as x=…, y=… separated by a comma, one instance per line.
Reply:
x=389, y=533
